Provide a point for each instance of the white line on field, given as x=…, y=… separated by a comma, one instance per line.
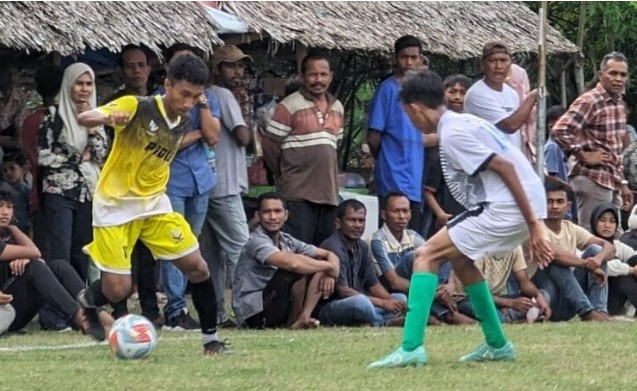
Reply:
x=33, y=348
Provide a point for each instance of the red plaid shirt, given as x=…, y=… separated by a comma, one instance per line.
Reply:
x=595, y=121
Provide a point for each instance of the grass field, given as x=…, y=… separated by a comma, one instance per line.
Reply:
x=565, y=356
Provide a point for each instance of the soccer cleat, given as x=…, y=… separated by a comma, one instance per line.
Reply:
x=217, y=348
x=95, y=327
x=401, y=358
x=182, y=322
x=486, y=353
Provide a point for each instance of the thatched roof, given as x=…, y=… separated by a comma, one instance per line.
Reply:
x=455, y=29
x=70, y=27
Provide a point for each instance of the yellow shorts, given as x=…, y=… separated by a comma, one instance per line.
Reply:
x=168, y=236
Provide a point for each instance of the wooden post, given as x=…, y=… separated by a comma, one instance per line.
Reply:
x=301, y=52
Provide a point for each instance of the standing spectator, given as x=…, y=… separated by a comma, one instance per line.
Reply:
x=359, y=297
x=133, y=61
x=12, y=112
x=14, y=173
x=47, y=83
x=519, y=81
x=305, y=129
x=69, y=156
x=226, y=225
x=393, y=140
x=191, y=180
x=593, y=130
x=493, y=100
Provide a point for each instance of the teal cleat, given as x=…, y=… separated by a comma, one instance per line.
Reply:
x=400, y=358
x=486, y=353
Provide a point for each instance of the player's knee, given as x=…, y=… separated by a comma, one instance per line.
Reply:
x=115, y=293
x=424, y=259
x=198, y=273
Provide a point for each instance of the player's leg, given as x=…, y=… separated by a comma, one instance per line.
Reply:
x=169, y=237
x=422, y=290
x=496, y=347
x=110, y=251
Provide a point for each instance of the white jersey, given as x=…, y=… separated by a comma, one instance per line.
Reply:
x=468, y=144
x=493, y=106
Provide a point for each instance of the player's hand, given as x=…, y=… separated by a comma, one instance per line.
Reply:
x=394, y=306
x=521, y=304
x=18, y=266
x=538, y=248
x=627, y=197
x=326, y=286
x=118, y=118
x=600, y=276
x=5, y=299
x=594, y=158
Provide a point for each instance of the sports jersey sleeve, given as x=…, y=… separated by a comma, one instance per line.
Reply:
x=466, y=152
x=126, y=104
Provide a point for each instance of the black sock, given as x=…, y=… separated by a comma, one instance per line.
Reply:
x=94, y=295
x=205, y=301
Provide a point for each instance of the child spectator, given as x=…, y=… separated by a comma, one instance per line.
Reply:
x=14, y=173
x=437, y=196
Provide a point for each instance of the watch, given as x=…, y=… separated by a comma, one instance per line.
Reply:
x=203, y=104
x=624, y=182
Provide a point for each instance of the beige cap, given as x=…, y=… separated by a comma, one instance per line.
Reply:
x=228, y=53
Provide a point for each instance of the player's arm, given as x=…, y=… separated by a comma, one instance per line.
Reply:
x=116, y=113
x=538, y=246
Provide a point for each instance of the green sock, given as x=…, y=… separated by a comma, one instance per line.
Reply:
x=484, y=308
x=422, y=290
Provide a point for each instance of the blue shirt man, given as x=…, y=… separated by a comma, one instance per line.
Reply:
x=393, y=140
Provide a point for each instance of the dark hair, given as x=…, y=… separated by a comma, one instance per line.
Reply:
x=178, y=47
x=48, y=80
x=19, y=158
x=392, y=194
x=458, y=78
x=551, y=185
x=407, y=41
x=355, y=205
x=615, y=56
x=553, y=114
x=313, y=57
x=8, y=193
x=188, y=68
x=423, y=87
x=6, y=78
x=272, y=195
x=129, y=48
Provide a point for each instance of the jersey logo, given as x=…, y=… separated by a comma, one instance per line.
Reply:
x=177, y=235
x=152, y=128
x=160, y=151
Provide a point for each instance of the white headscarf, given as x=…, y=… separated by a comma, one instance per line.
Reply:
x=72, y=133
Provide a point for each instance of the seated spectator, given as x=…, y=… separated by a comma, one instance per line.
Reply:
x=28, y=280
x=270, y=287
x=622, y=272
x=14, y=173
x=393, y=249
x=512, y=302
x=575, y=283
x=13, y=110
x=359, y=298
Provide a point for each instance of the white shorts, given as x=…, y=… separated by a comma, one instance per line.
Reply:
x=493, y=229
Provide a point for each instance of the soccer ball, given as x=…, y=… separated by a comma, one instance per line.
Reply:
x=132, y=337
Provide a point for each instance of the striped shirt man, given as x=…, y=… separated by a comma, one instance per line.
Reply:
x=308, y=141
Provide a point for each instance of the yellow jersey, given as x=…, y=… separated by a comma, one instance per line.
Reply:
x=132, y=184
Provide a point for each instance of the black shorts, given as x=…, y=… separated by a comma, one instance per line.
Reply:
x=277, y=300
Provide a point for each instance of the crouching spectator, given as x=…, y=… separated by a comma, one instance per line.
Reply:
x=279, y=280
x=513, y=297
x=359, y=297
x=30, y=282
x=393, y=249
x=7, y=313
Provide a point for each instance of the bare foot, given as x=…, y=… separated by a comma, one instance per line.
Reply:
x=302, y=324
x=433, y=321
x=398, y=321
x=459, y=319
x=107, y=320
